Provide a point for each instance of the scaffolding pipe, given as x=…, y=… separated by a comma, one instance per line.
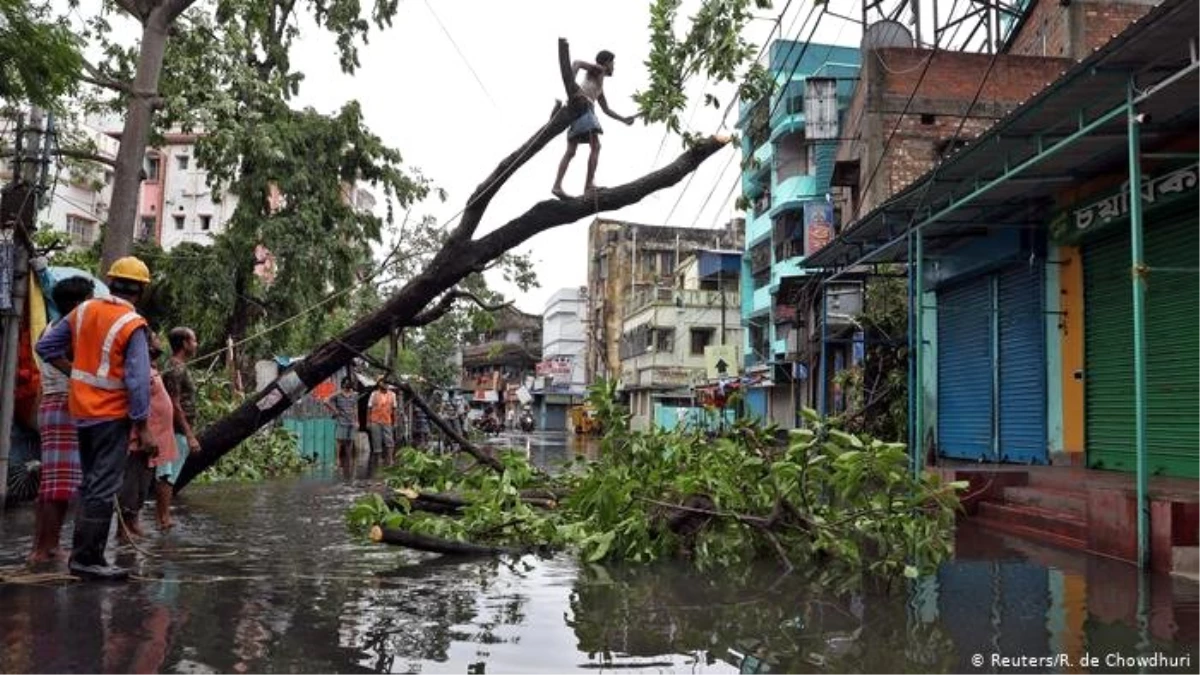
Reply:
x=1138, y=276
x=912, y=368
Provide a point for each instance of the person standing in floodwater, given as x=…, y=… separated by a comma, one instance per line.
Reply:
x=182, y=390
x=61, y=471
x=344, y=406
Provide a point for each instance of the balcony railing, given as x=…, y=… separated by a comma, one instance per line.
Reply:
x=679, y=297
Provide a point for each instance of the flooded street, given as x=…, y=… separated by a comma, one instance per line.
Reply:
x=266, y=578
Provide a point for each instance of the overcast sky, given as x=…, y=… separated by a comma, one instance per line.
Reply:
x=421, y=97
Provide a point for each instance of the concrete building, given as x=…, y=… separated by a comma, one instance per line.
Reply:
x=668, y=331
x=1054, y=257
x=560, y=380
x=176, y=203
x=788, y=150
x=499, y=361
x=625, y=257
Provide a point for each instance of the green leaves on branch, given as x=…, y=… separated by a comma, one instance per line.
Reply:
x=39, y=56
x=713, y=48
x=844, y=502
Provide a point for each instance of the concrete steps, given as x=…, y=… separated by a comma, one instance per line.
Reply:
x=1073, y=502
x=1051, y=526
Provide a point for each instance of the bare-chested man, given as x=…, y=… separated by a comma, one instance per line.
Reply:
x=586, y=127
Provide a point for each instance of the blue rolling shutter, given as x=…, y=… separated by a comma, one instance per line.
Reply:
x=964, y=357
x=1022, y=367
x=756, y=404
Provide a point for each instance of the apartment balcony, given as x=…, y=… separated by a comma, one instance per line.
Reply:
x=786, y=123
x=680, y=298
x=762, y=298
x=763, y=156
x=791, y=193
x=758, y=228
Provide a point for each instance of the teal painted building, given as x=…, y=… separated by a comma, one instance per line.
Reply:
x=787, y=164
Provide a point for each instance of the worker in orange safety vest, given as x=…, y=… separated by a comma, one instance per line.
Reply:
x=103, y=346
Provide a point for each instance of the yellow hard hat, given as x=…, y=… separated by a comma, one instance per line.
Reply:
x=130, y=268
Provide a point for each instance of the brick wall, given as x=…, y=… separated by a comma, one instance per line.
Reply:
x=1075, y=30
x=937, y=107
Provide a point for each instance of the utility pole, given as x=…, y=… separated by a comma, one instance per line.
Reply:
x=18, y=206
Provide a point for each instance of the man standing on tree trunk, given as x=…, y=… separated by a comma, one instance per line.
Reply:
x=109, y=394
x=586, y=127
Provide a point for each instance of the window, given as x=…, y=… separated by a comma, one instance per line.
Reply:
x=80, y=230
x=668, y=263
x=701, y=338
x=152, y=168
x=179, y=222
x=206, y=223
x=108, y=177
x=146, y=233
x=182, y=161
x=603, y=266
x=664, y=340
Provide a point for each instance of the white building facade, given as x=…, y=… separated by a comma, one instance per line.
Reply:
x=560, y=380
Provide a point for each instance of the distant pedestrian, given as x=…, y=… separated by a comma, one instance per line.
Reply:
x=344, y=406
x=61, y=472
x=381, y=421
x=182, y=389
x=109, y=395
x=586, y=127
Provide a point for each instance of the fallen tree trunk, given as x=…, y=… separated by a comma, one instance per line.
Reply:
x=414, y=303
x=482, y=456
x=420, y=542
x=451, y=504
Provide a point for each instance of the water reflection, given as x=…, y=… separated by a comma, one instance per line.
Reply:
x=265, y=578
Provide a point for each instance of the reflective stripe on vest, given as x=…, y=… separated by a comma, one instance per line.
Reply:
x=98, y=382
x=106, y=350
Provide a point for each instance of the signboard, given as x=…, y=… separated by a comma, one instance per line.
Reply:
x=721, y=361
x=1074, y=224
x=818, y=225
x=524, y=396
x=559, y=365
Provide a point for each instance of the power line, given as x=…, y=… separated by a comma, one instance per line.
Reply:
x=962, y=120
x=895, y=127
x=795, y=66
x=778, y=22
x=461, y=55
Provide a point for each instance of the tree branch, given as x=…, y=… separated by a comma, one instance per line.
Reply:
x=134, y=8
x=447, y=302
x=559, y=120
x=101, y=79
x=551, y=213
x=174, y=8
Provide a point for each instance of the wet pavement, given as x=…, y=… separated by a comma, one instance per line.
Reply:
x=266, y=578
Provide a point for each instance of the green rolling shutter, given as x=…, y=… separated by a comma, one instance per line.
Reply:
x=1172, y=343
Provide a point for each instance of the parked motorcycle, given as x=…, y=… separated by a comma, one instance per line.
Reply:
x=526, y=421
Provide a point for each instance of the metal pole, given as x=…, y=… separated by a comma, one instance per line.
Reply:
x=1138, y=276
x=910, y=269
x=919, y=353
x=18, y=208
x=821, y=384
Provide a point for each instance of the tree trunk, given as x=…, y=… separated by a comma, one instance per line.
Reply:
x=420, y=542
x=139, y=112
x=449, y=266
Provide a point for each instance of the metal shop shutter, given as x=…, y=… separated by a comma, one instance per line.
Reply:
x=1172, y=344
x=1022, y=366
x=964, y=357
